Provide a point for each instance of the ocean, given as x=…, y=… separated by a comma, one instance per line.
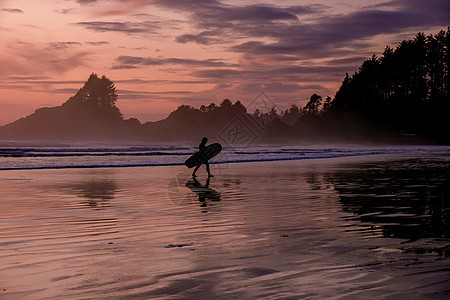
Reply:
x=90, y=155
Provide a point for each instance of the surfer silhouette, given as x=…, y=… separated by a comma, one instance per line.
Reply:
x=203, y=158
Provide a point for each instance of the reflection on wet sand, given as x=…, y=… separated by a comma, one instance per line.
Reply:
x=96, y=192
x=401, y=199
x=319, y=229
x=204, y=192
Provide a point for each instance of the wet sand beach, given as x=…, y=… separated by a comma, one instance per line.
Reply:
x=370, y=227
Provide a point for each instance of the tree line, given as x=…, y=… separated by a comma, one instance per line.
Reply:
x=404, y=92
x=406, y=89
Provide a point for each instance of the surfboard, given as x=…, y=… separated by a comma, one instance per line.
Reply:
x=206, y=154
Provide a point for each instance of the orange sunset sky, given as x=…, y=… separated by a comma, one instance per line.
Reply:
x=164, y=53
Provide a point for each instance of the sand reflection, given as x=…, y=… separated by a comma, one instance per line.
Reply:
x=203, y=191
x=97, y=193
x=400, y=199
x=313, y=229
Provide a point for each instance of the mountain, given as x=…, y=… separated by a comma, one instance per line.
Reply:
x=91, y=114
x=189, y=123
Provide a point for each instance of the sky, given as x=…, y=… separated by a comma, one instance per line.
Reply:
x=164, y=53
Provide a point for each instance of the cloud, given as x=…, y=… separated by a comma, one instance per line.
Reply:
x=228, y=23
x=65, y=91
x=63, y=45
x=41, y=80
x=160, y=81
x=286, y=73
x=64, y=11
x=99, y=43
x=328, y=37
x=12, y=10
x=131, y=62
x=213, y=11
x=277, y=87
x=223, y=85
x=33, y=60
x=352, y=60
x=40, y=84
x=434, y=11
x=130, y=94
x=250, y=28
x=254, y=13
x=86, y=2
x=126, y=27
x=204, y=37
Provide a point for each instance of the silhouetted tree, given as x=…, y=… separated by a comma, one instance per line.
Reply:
x=290, y=116
x=273, y=114
x=406, y=88
x=326, y=104
x=238, y=106
x=99, y=91
x=211, y=107
x=437, y=61
x=312, y=107
x=226, y=103
x=100, y=95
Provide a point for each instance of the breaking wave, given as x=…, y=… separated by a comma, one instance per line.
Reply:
x=17, y=158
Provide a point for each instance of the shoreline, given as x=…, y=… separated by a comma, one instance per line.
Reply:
x=268, y=160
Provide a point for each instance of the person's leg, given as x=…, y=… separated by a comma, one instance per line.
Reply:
x=196, y=168
x=207, y=169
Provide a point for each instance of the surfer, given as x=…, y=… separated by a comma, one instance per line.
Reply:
x=202, y=156
x=204, y=159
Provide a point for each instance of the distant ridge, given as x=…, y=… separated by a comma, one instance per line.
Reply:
x=90, y=114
